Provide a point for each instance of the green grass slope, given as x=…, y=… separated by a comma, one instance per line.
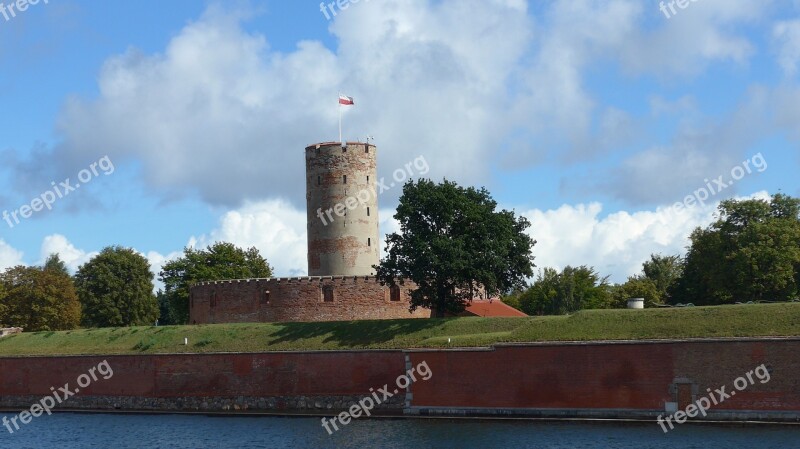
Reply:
x=755, y=320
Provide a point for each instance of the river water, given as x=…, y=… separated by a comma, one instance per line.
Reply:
x=118, y=431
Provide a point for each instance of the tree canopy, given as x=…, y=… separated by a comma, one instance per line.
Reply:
x=116, y=289
x=751, y=253
x=36, y=299
x=219, y=261
x=659, y=276
x=575, y=288
x=452, y=243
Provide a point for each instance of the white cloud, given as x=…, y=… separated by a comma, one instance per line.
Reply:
x=275, y=227
x=72, y=256
x=618, y=244
x=221, y=114
x=9, y=257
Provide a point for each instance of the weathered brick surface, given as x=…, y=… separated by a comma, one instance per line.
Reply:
x=263, y=374
x=346, y=243
x=297, y=299
x=609, y=379
x=219, y=382
x=615, y=376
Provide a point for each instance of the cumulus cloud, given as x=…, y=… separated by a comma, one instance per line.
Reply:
x=221, y=114
x=618, y=244
x=9, y=257
x=72, y=256
x=275, y=227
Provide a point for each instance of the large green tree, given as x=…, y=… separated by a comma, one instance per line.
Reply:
x=219, y=261
x=36, y=299
x=116, y=289
x=751, y=253
x=454, y=241
x=664, y=272
x=575, y=288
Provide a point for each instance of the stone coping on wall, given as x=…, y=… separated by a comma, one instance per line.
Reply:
x=330, y=144
x=424, y=350
x=602, y=414
x=288, y=279
x=610, y=342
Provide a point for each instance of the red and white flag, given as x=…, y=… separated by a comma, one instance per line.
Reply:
x=345, y=100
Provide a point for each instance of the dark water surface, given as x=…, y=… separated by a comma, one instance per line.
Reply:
x=72, y=431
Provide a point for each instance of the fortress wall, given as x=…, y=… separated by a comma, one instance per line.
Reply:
x=213, y=382
x=297, y=299
x=598, y=380
x=625, y=378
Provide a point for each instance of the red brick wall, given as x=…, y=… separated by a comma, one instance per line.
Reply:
x=297, y=299
x=269, y=374
x=630, y=376
x=626, y=376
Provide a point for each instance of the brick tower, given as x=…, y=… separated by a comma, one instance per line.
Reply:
x=342, y=209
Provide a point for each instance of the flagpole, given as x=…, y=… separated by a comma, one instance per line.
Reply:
x=338, y=101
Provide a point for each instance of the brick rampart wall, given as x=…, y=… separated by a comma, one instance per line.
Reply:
x=567, y=380
x=297, y=299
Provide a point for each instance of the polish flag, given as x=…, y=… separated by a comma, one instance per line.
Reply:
x=345, y=100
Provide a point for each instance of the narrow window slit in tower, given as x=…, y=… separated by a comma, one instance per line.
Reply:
x=345, y=179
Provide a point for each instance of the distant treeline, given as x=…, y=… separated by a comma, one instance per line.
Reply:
x=115, y=288
x=750, y=253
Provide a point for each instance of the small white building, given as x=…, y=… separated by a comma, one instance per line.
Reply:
x=6, y=331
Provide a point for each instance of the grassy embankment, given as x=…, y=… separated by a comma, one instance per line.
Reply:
x=695, y=322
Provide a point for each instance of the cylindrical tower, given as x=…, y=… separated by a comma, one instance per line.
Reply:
x=342, y=208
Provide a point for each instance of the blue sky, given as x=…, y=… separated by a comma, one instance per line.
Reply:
x=592, y=118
